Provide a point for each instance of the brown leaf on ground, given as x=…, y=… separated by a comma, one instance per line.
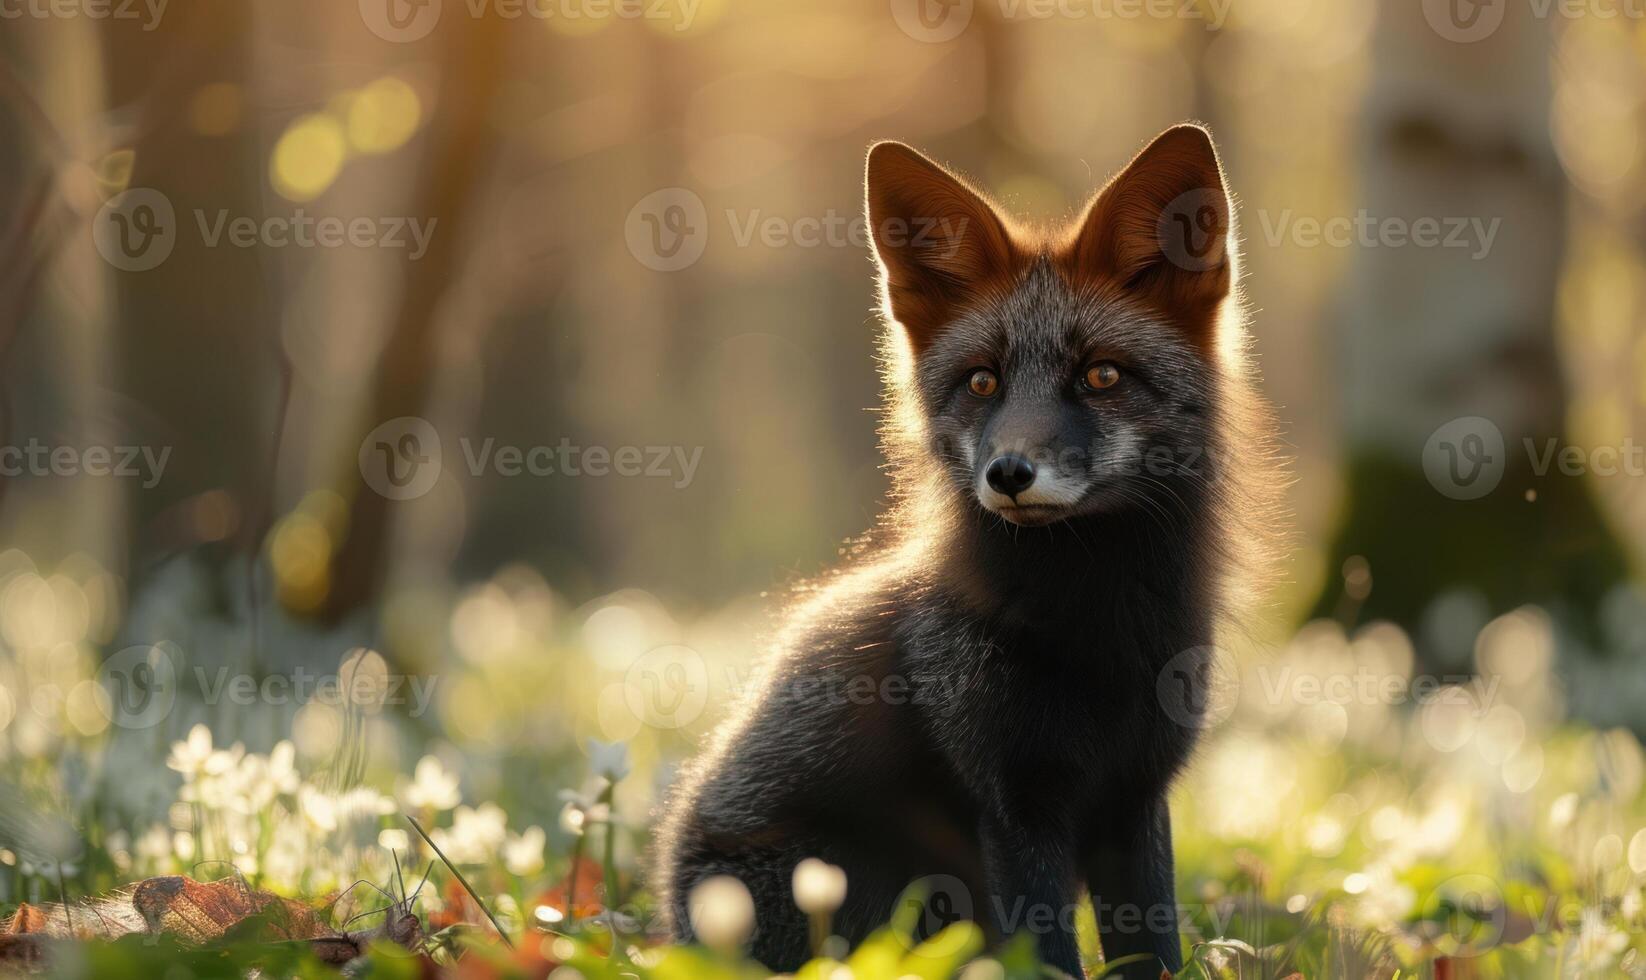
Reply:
x=203, y=911
x=200, y=913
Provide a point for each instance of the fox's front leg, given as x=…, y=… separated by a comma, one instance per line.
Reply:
x=1129, y=872
x=1033, y=887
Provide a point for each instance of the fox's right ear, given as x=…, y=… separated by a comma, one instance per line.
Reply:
x=938, y=241
x=1161, y=226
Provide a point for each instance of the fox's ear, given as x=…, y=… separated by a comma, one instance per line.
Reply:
x=937, y=240
x=1161, y=226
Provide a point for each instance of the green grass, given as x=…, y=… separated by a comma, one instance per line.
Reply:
x=1322, y=829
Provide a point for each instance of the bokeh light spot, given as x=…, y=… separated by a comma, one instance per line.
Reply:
x=383, y=116
x=308, y=157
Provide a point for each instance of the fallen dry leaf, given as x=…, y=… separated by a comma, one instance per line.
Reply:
x=199, y=913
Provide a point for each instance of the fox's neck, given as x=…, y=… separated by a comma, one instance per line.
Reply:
x=1093, y=570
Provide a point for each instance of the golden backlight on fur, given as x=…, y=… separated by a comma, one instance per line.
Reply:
x=959, y=250
x=1160, y=229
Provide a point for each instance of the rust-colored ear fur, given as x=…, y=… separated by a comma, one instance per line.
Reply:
x=938, y=241
x=1160, y=228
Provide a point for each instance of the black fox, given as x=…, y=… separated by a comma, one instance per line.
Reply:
x=995, y=694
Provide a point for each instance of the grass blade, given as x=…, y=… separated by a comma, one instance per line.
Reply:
x=460, y=879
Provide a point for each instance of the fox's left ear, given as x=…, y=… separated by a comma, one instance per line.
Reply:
x=1161, y=226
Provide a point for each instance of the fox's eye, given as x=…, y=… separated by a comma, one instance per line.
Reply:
x=983, y=383
x=1100, y=376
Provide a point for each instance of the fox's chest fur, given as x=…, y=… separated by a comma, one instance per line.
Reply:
x=1063, y=690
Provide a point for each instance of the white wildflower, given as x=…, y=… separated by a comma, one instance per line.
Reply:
x=319, y=809
x=584, y=807
x=431, y=787
x=1599, y=941
x=189, y=756
x=523, y=853
x=819, y=887
x=282, y=768
x=476, y=834
x=327, y=812
x=721, y=913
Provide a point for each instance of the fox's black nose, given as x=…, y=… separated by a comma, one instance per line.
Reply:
x=1010, y=474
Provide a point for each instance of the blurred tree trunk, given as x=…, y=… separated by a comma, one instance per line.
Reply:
x=1429, y=335
x=54, y=347
x=460, y=138
x=512, y=518
x=194, y=332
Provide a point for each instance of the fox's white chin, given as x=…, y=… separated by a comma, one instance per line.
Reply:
x=1031, y=515
x=1050, y=499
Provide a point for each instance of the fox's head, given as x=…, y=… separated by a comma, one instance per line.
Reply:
x=1051, y=375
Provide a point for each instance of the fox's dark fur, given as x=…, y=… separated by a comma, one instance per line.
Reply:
x=995, y=696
